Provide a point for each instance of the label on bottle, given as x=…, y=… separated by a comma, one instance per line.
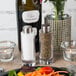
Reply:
x=30, y=16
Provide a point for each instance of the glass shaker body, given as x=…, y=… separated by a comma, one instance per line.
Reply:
x=46, y=51
x=28, y=46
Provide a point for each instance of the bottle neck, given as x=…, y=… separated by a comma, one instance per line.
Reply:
x=29, y=2
x=28, y=5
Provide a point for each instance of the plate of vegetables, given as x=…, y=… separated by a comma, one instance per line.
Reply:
x=38, y=71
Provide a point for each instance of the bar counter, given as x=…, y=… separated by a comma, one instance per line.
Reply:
x=17, y=63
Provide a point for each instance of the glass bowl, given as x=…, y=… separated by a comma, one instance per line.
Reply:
x=69, y=50
x=6, y=50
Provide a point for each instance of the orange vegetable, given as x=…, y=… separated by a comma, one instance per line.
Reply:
x=37, y=73
x=44, y=71
x=28, y=74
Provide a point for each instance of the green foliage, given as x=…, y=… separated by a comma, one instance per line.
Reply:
x=12, y=73
x=59, y=7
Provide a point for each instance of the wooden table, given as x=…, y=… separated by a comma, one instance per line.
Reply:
x=17, y=63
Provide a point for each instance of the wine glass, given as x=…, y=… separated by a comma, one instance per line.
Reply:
x=69, y=54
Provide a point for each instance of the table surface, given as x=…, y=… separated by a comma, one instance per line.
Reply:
x=17, y=63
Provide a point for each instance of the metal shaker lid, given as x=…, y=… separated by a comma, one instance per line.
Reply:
x=45, y=28
x=27, y=29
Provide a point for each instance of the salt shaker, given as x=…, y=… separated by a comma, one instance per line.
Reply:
x=46, y=52
x=27, y=45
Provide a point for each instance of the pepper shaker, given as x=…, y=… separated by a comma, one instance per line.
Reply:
x=46, y=52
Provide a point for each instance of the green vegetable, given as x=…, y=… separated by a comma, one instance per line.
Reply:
x=38, y=68
x=12, y=73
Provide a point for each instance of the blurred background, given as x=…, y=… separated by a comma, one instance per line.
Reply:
x=8, y=23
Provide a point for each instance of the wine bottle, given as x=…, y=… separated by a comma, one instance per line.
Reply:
x=29, y=13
